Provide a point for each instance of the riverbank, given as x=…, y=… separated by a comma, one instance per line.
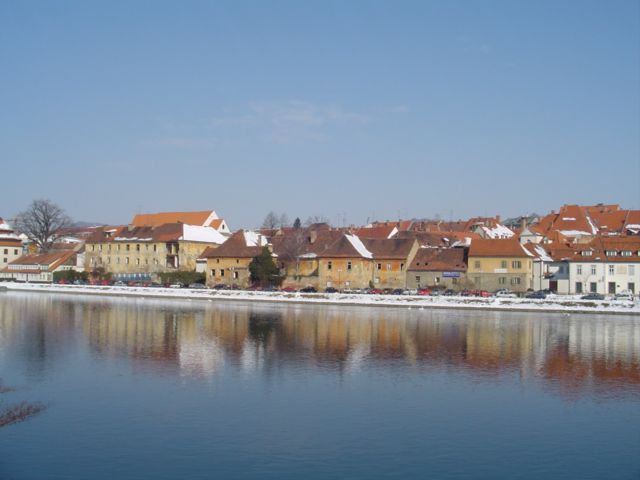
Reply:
x=568, y=304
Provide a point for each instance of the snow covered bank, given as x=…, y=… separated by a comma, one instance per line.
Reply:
x=551, y=304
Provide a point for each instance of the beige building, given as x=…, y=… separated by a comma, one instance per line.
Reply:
x=500, y=263
x=438, y=267
x=39, y=267
x=10, y=245
x=137, y=253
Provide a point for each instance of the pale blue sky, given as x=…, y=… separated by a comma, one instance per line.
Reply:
x=365, y=108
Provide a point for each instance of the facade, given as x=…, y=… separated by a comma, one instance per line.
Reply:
x=39, y=267
x=346, y=264
x=10, y=245
x=438, y=267
x=391, y=259
x=137, y=253
x=229, y=263
x=500, y=263
x=607, y=265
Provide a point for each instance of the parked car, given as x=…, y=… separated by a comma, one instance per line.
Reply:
x=308, y=290
x=374, y=291
x=592, y=296
x=397, y=291
x=625, y=295
x=449, y=292
x=482, y=293
x=467, y=293
x=505, y=293
x=120, y=283
x=288, y=289
x=220, y=286
x=330, y=290
x=540, y=295
x=410, y=292
x=197, y=286
x=424, y=291
x=176, y=285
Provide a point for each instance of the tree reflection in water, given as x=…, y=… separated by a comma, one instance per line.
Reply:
x=18, y=412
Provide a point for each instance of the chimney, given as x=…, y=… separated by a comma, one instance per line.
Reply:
x=313, y=236
x=524, y=223
x=498, y=218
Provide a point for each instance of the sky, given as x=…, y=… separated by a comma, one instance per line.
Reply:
x=352, y=110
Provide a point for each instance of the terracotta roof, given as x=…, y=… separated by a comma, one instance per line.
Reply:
x=9, y=242
x=202, y=218
x=341, y=248
x=439, y=260
x=377, y=231
x=308, y=241
x=51, y=260
x=392, y=248
x=507, y=247
x=234, y=247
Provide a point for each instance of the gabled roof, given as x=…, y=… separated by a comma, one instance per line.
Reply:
x=377, y=231
x=35, y=262
x=507, y=247
x=439, y=260
x=203, y=218
x=393, y=248
x=167, y=232
x=242, y=244
x=347, y=246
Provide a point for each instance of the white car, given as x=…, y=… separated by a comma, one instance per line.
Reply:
x=624, y=295
x=504, y=293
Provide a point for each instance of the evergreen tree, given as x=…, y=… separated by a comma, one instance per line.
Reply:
x=264, y=272
x=297, y=223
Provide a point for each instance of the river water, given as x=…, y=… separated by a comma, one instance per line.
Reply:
x=141, y=388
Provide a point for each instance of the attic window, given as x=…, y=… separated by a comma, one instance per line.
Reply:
x=625, y=253
x=586, y=253
x=611, y=253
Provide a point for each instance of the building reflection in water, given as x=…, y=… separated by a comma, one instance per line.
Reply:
x=569, y=354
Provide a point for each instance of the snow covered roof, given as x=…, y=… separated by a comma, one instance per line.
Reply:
x=194, y=233
x=499, y=231
x=359, y=246
x=254, y=239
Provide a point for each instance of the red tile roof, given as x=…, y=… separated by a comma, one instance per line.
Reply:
x=202, y=218
x=508, y=247
x=439, y=260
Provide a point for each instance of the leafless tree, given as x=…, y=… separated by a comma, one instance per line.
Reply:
x=42, y=222
x=316, y=219
x=271, y=220
x=283, y=220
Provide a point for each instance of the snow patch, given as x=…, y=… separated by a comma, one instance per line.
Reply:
x=359, y=246
x=195, y=233
x=254, y=239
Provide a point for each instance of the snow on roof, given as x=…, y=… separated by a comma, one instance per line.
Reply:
x=568, y=219
x=526, y=251
x=542, y=254
x=5, y=226
x=196, y=233
x=594, y=230
x=573, y=233
x=499, y=231
x=359, y=246
x=393, y=232
x=462, y=243
x=254, y=239
x=308, y=255
x=635, y=228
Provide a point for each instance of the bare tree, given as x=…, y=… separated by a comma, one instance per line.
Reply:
x=316, y=219
x=283, y=221
x=271, y=220
x=42, y=222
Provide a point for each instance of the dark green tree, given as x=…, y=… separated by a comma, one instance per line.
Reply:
x=264, y=272
x=297, y=223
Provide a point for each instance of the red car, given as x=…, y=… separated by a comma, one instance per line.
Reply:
x=424, y=291
x=482, y=293
x=375, y=291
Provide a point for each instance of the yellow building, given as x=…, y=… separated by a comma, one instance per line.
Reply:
x=500, y=263
x=131, y=253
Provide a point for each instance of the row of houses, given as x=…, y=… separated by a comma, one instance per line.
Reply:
x=578, y=250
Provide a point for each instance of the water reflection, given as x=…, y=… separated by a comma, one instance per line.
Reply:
x=568, y=354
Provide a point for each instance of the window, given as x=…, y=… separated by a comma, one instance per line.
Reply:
x=329, y=265
x=502, y=280
x=632, y=269
x=4, y=260
x=213, y=272
x=137, y=247
x=237, y=260
x=155, y=261
x=625, y=253
x=632, y=287
x=586, y=253
x=516, y=264
x=222, y=272
x=515, y=281
x=578, y=287
x=108, y=259
x=217, y=260
x=476, y=264
x=93, y=248
x=401, y=267
x=379, y=266
x=593, y=287
x=146, y=247
x=146, y=261
x=418, y=279
x=118, y=247
x=235, y=275
x=454, y=280
x=388, y=266
x=593, y=269
x=155, y=248
x=503, y=264
x=612, y=269
x=612, y=287
x=348, y=265
x=137, y=261
x=579, y=269
x=6, y=251
x=117, y=259
x=128, y=247
x=100, y=247
x=126, y=260
x=15, y=252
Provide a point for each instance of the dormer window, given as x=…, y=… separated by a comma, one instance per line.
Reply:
x=587, y=253
x=611, y=253
x=625, y=253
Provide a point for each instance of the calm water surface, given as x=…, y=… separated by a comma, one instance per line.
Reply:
x=140, y=388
